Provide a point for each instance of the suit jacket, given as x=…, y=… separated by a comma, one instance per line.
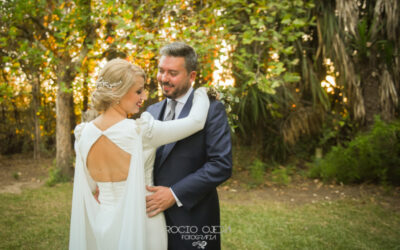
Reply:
x=193, y=168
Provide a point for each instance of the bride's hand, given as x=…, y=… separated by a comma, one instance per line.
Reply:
x=96, y=194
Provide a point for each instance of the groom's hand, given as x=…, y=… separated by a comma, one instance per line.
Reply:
x=161, y=199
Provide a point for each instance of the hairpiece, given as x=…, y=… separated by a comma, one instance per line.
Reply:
x=102, y=83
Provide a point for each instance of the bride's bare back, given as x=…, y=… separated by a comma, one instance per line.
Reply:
x=106, y=162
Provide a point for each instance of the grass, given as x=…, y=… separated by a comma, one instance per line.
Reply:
x=39, y=219
x=342, y=224
x=36, y=219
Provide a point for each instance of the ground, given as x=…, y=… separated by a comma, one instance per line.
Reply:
x=302, y=190
x=21, y=171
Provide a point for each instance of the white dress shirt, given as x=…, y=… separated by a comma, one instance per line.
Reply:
x=180, y=103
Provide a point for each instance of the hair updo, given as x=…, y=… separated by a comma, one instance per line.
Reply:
x=114, y=81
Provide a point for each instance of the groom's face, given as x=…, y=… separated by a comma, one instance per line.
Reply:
x=173, y=77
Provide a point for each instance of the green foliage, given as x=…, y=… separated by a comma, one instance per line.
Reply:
x=257, y=171
x=281, y=175
x=56, y=176
x=16, y=175
x=229, y=98
x=274, y=50
x=337, y=129
x=64, y=42
x=372, y=157
x=264, y=60
x=252, y=29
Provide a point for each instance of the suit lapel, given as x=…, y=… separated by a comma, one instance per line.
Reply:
x=158, y=111
x=184, y=112
x=188, y=105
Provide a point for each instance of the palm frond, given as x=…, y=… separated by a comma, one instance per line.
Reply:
x=349, y=78
x=347, y=11
x=303, y=121
x=388, y=94
x=391, y=9
x=311, y=81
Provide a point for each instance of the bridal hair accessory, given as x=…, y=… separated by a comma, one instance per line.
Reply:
x=102, y=83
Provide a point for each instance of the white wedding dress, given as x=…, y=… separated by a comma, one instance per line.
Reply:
x=120, y=220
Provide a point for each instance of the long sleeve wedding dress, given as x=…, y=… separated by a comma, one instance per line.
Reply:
x=120, y=220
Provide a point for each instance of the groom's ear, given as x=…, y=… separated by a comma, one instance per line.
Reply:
x=192, y=76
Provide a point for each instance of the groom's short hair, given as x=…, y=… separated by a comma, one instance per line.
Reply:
x=180, y=49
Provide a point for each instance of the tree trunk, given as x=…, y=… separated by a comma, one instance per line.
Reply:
x=371, y=98
x=35, y=110
x=85, y=91
x=64, y=154
x=72, y=117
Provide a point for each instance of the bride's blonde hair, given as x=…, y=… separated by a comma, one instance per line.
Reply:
x=114, y=81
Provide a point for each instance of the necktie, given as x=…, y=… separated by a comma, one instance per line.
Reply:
x=170, y=116
x=171, y=113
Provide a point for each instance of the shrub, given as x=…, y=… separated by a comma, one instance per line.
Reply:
x=55, y=175
x=257, y=170
x=372, y=156
x=281, y=176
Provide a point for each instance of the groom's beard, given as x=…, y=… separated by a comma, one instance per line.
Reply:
x=175, y=91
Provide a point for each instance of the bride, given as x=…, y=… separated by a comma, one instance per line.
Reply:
x=116, y=155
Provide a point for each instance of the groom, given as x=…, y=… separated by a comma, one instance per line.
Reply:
x=187, y=172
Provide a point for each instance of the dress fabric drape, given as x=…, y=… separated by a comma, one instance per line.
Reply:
x=94, y=226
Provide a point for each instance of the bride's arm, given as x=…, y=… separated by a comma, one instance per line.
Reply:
x=164, y=132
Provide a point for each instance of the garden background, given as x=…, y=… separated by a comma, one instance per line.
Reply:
x=310, y=87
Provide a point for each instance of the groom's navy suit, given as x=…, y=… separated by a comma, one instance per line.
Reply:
x=193, y=168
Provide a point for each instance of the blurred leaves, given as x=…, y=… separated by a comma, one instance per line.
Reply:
x=275, y=51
